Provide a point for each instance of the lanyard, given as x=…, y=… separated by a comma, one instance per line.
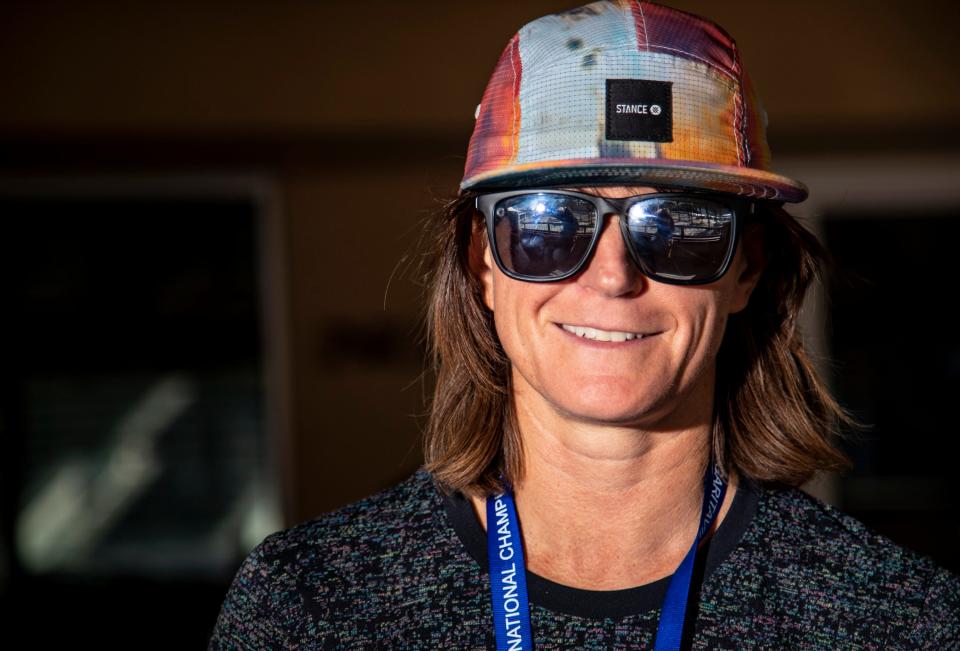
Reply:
x=508, y=580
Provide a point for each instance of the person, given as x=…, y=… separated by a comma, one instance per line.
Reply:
x=615, y=443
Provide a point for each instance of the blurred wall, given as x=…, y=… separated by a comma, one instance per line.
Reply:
x=358, y=115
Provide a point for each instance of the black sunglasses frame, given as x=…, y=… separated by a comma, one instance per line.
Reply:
x=743, y=209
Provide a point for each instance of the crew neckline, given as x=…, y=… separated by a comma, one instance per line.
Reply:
x=614, y=604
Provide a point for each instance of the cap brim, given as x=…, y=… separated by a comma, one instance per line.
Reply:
x=749, y=182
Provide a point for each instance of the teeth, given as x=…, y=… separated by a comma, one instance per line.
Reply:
x=600, y=335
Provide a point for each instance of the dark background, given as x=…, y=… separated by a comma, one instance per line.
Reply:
x=209, y=218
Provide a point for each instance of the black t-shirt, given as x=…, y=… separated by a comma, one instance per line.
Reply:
x=610, y=604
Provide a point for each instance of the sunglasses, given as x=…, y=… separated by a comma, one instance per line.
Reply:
x=680, y=238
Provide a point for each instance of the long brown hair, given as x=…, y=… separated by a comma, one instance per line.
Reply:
x=774, y=419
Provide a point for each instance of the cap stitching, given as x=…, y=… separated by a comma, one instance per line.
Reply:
x=743, y=156
x=752, y=189
x=643, y=18
x=515, y=100
x=698, y=58
x=646, y=37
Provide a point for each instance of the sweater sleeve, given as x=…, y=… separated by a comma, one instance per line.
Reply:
x=938, y=625
x=252, y=614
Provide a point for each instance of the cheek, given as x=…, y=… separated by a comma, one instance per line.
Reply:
x=516, y=311
x=718, y=318
x=701, y=329
x=508, y=305
x=499, y=300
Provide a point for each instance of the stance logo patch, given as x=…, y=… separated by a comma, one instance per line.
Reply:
x=639, y=109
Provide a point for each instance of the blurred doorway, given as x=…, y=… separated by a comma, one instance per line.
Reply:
x=140, y=445
x=883, y=323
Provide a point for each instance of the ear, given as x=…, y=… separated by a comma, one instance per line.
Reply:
x=481, y=261
x=751, y=263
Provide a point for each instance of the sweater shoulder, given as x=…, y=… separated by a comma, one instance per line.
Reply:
x=831, y=558
x=399, y=511
x=290, y=586
x=817, y=529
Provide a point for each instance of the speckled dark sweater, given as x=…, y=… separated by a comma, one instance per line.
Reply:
x=406, y=569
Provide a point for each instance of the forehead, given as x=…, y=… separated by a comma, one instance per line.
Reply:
x=613, y=191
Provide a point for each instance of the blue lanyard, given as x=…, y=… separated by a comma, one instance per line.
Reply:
x=508, y=579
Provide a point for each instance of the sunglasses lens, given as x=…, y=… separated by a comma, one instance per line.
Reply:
x=543, y=235
x=680, y=239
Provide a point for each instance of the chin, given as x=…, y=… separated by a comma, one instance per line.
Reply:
x=601, y=406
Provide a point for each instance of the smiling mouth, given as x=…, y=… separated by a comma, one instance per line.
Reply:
x=595, y=334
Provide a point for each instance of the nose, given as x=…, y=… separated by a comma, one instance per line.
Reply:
x=610, y=270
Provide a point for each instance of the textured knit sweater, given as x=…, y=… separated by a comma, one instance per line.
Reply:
x=407, y=569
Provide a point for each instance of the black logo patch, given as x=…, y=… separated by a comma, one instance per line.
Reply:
x=639, y=109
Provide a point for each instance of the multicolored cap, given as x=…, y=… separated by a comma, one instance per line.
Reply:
x=623, y=93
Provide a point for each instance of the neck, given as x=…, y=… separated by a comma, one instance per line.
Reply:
x=608, y=508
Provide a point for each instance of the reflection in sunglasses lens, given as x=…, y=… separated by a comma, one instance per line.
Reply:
x=543, y=234
x=680, y=238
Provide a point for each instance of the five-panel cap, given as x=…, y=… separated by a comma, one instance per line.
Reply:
x=623, y=93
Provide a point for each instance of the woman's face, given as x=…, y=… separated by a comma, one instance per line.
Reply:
x=652, y=381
